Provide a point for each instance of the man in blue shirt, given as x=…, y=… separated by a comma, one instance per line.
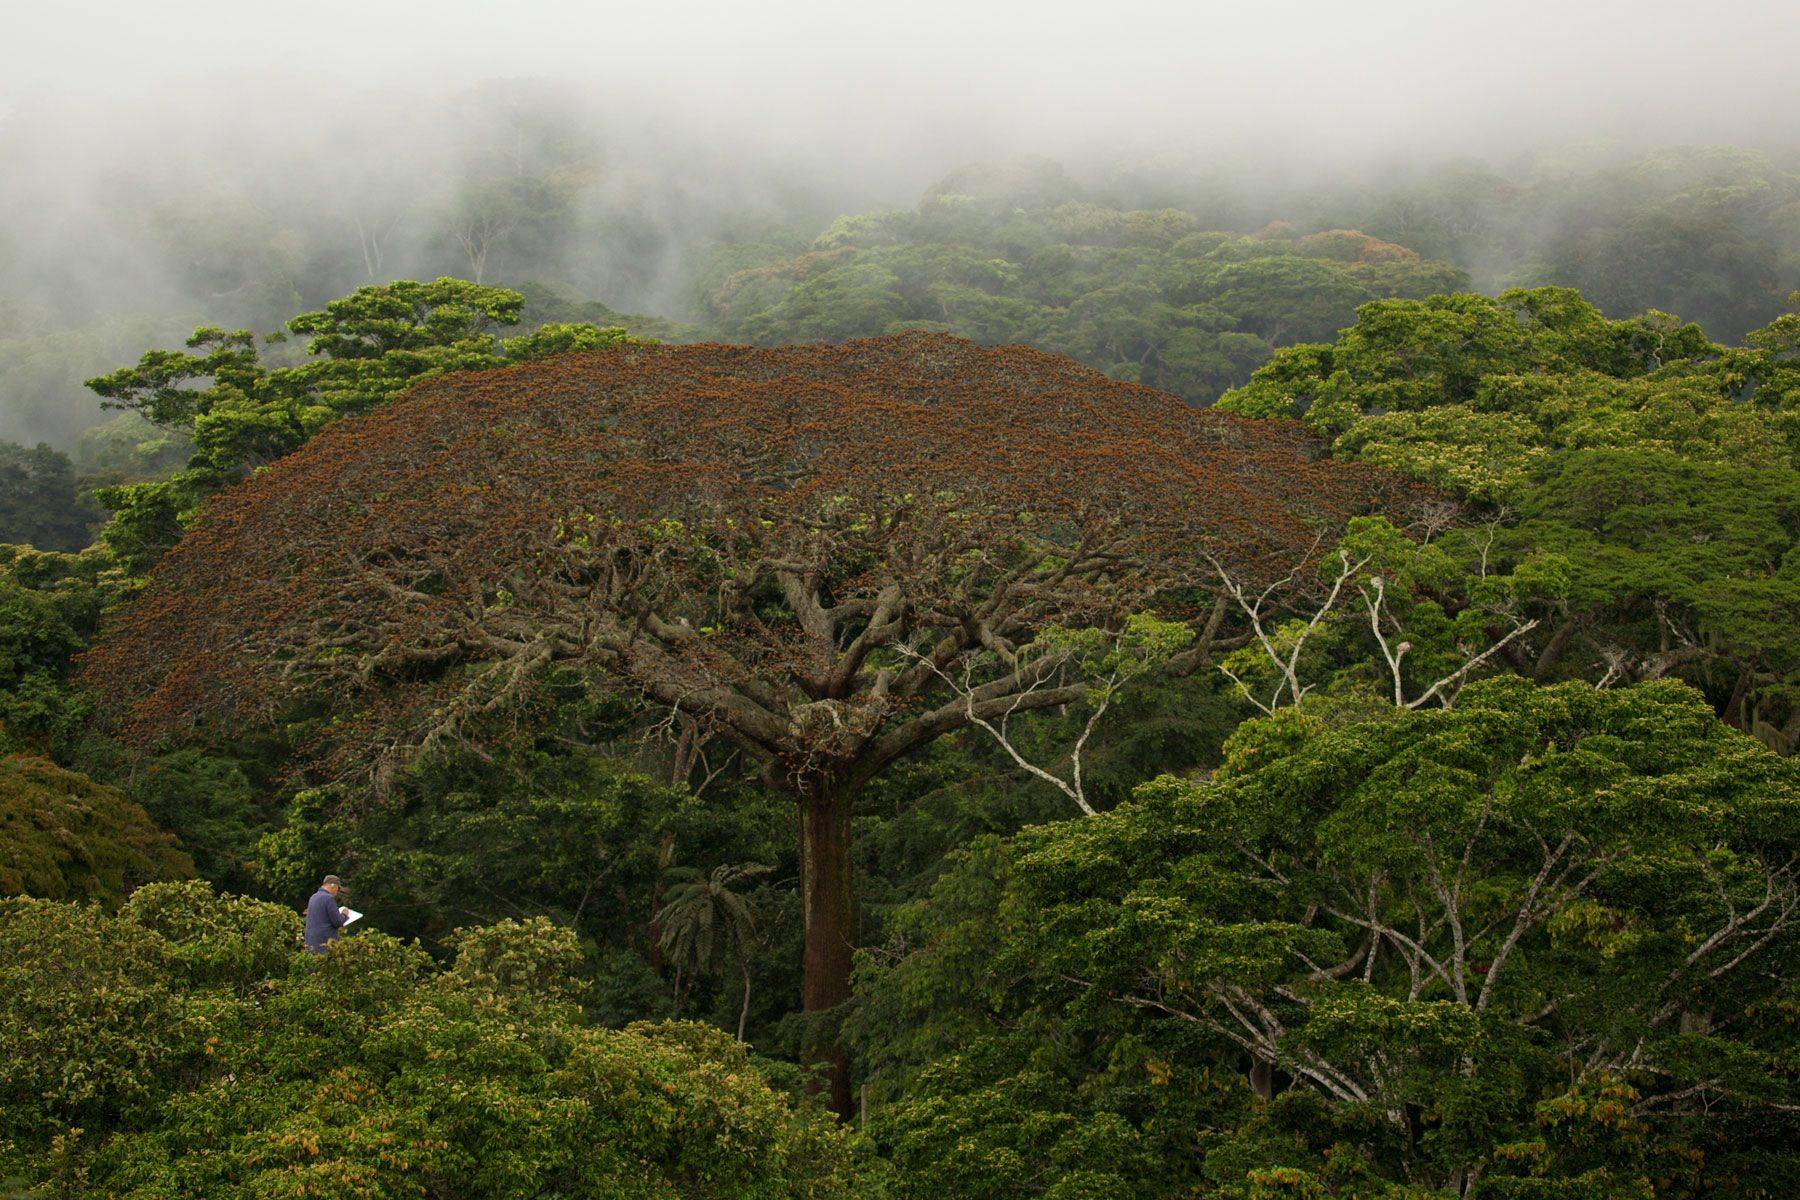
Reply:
x=323, y=915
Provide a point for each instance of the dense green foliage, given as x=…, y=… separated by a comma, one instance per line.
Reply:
x=185, y=1047
x=1531, y=946
x=50, y=605
x=536, y=829
x=39, y=503
x=1657, y=472
x=65, y=837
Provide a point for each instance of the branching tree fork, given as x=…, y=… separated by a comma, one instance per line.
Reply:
x=1285, y=616
x=831, y=556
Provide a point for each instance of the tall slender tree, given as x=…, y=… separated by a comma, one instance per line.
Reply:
x=706, y=922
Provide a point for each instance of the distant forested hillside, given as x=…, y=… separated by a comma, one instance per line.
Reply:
x=1095, y=258
x=1150, y=297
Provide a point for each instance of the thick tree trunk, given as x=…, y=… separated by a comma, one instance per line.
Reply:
x=830, y=920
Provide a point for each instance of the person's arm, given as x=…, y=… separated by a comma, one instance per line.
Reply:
x=336, y=914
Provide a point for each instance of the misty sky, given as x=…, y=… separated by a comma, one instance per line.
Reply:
x=189, y=161
x=870, y=81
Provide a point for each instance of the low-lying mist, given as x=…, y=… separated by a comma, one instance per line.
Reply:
x=200, y=165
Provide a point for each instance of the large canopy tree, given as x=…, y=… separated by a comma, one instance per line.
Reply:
x=830, y=556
